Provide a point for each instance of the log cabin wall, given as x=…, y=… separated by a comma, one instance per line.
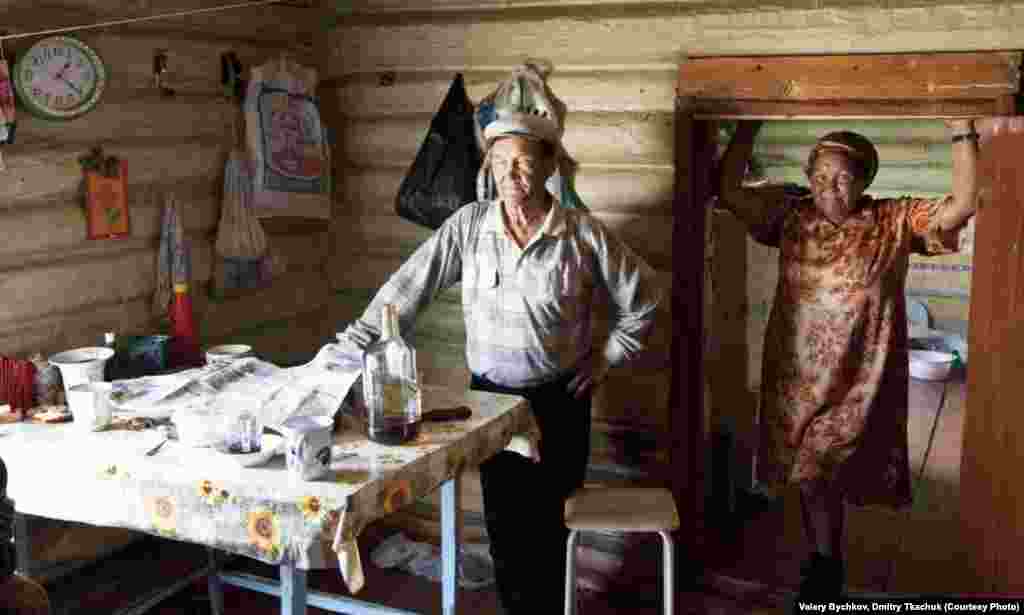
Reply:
x=389, y=65
x=62, y=290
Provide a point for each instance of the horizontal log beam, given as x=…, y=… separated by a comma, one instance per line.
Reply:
x=55, y=229
x=965, y=77
x=621, y=140
x=842, y=109
x=149, y=117
x=586, y=38
x=39, y=172
x=57, y=286
x=408, y=10
x=271, y=25
x=365, y=95
x=287, y=298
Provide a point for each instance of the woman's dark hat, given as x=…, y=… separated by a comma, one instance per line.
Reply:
x=856, y=146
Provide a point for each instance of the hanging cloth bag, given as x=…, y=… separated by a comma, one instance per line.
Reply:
x=442, y=177
x=239, y=234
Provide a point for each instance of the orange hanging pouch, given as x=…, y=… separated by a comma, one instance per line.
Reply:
x=107, y=204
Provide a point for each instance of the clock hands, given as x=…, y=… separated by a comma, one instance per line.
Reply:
x=60, y=77
x=71, y=85
x=60, y=73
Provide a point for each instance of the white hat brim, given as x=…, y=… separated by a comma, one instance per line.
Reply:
x=523, y=124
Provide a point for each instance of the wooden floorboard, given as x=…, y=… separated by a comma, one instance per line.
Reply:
x=405, y=591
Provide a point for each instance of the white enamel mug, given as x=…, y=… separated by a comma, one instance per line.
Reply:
x=308, y=442
x=89, y=403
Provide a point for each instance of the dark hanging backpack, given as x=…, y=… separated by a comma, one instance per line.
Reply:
x=442, y=178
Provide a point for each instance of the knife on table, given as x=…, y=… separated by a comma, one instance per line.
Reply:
x=458, y=413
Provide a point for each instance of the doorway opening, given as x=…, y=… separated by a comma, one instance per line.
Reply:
x=900, y=101
x=760, y=533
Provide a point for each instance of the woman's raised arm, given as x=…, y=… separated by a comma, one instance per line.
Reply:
x=965, y=175
x=747, y=204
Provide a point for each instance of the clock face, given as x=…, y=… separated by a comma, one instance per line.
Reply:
x=60, y=78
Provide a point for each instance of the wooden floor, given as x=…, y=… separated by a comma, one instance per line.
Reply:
x=402, y=590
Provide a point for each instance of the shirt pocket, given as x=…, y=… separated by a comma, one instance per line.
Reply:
x=481, y=283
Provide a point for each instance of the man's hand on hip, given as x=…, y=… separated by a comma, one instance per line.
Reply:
x=590, y=373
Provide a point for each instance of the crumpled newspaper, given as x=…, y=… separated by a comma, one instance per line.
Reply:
x=475, y=568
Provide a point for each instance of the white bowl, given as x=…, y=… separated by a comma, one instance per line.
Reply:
x=81, y=365
x=930, y=364
x=226, y=353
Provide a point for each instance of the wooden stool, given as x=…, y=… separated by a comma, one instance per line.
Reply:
x=624, y=509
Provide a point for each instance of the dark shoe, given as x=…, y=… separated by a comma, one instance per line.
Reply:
x=822, y=578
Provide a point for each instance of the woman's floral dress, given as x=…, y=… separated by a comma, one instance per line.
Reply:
x=835, y=352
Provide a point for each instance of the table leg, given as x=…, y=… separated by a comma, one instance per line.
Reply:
x=214, y=586
x=451, y=528
x=293, y=590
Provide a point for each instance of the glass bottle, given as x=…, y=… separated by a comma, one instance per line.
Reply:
x=389, y=384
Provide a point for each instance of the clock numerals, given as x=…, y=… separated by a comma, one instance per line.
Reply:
x=60, y=78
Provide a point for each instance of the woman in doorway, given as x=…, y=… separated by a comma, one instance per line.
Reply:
x=835, y=373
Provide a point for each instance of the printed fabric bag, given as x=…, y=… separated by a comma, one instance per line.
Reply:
x=286, y=142
x=442, y=177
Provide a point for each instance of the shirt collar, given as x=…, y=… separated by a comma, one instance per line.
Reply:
x=554, y=224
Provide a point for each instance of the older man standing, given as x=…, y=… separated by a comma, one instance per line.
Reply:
x=530, y=272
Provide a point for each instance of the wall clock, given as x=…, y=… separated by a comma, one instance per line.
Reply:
x=60, y=78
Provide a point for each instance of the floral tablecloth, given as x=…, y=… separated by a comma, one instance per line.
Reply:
x=202, y=496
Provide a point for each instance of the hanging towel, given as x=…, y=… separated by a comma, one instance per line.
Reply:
x=287, y=142
x=173, y=259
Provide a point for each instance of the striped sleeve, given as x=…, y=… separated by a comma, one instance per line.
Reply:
x=434, y=267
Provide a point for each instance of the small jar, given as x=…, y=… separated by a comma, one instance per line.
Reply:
x=48, y=385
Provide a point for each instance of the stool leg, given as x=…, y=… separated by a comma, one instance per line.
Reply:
x=570, y=572
x=669, y=572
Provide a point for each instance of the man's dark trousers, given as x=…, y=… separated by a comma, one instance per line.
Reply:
x=524, y=501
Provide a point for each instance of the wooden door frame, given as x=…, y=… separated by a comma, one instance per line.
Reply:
x=875, y=86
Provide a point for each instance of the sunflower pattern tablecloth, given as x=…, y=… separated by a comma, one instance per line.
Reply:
x=202, y=496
